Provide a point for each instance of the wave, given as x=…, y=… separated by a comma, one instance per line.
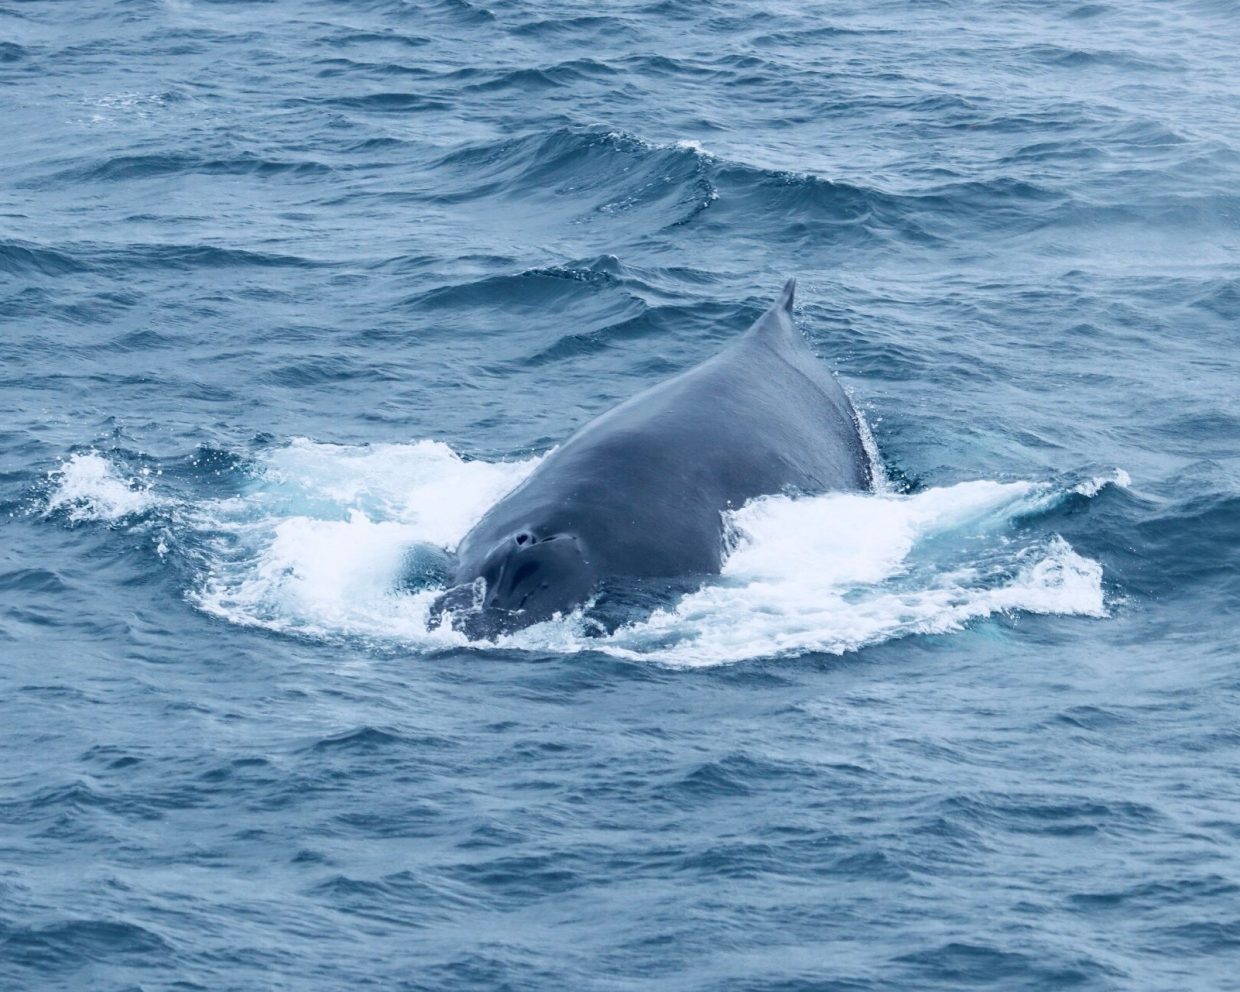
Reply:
x=544, y=77
x=24, y=258
x=336, y=39
x=537, y=288
x=391, y=102
x=124, y=167
x=19, y=258
x=591, y=171
x=68, y=944
x=340, y=66
x=582, y=175
x=1120, y=60
x=593, y=24
x=587, y=173
x=574, y=176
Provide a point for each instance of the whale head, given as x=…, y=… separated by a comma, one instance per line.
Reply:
x=524, y=579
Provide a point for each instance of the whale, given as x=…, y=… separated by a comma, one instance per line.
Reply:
x=642, y=491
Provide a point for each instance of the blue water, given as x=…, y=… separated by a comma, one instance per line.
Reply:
x=290, y=292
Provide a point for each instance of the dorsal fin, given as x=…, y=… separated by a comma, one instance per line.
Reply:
x=776, y=324
x=785, y=298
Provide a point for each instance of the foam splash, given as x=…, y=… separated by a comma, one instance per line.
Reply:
x=87, y=487
x=317, y=546
x=425, y=485
x=836, y=573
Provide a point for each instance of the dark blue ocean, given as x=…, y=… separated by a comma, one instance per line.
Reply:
x=291, y=292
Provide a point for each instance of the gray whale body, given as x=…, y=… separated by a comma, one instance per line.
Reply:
x=640, y=491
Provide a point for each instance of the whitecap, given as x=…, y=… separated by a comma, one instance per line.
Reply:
x=88, y=487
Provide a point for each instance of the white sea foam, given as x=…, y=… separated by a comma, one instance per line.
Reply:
x=425, y=485
x=1092, y=487
x=837, y=573
x=318, y=543
x=88, y=487
x=878, y=472
x=318, y=546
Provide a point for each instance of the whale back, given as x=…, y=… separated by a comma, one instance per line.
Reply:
x=644, y=485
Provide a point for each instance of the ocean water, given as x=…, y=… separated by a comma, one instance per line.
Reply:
x=291, y=292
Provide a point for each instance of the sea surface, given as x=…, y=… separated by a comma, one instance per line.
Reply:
x=291, y=292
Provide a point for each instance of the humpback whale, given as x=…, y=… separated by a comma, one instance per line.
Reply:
x=640, y=492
